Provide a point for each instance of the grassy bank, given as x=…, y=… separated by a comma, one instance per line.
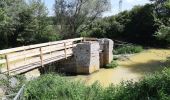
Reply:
x=50, y=87
x=128, y=49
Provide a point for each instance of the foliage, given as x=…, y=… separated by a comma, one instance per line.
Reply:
x=71, y=14
x=47, y=87
x=153, y=87
x=128, y=49
x=50, y=87
x=163, y=34
x=113, y=64
x=128, y=25
x=24, y=22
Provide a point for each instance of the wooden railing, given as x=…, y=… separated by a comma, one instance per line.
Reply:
x=22, y=59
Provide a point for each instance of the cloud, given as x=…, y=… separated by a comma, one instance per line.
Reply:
x=130, y=1
x=136, y=1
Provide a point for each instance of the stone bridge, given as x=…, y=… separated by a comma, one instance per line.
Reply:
x=79, y=55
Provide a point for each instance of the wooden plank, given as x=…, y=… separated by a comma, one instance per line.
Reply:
x=41, y=57
x=34, y=64
x=22, y=55
x=15, y=65
x=57, y=53
x=34, y=52
x=65, y=50
x=7, y=63
x=55, y=47
x=6, y=51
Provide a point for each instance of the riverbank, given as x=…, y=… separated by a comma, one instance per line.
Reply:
x=132, y=68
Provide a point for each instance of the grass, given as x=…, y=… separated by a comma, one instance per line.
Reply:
x=113, y=64
x=55, y=87
x=128, y=49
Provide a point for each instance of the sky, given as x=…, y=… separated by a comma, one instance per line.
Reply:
x=126, y=5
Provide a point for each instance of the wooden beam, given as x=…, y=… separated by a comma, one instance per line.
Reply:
x=65, y=50
x=6, y=51
x=7, y=64
x=41, y=57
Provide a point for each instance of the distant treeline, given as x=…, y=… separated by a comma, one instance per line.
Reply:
x=24, y=22
x=148, y=25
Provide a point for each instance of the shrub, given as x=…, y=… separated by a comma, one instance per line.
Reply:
x=128, y=49
x=152, y=87
x=113, y=64
x=163, y=34
x=50, y=87
x=55, y=87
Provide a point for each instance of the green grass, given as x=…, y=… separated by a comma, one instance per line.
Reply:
x=128, y=49
x=55, y=87
x=113, y=64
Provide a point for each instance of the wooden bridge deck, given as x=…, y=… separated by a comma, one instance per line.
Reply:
x=23, y=59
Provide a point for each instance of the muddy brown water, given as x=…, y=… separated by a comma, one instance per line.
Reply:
x=133, y=68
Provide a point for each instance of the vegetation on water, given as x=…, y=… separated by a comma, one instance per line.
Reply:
x=50, y=86
x=113, y=64
x=128, y=49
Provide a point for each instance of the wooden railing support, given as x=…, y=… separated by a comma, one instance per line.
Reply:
x=7, y=64
x=65, y=50
x=41, y=57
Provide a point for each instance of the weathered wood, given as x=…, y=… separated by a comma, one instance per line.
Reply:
x=22, y=59
x=41, y=57
x=34, y=64
x=6, y=51
x=65, y=50
x=7, y=63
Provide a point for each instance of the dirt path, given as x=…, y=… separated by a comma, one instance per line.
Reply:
x=133, y=68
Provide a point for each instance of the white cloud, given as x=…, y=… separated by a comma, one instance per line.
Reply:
x=130, y=1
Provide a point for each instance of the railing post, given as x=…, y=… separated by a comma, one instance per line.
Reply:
x=65, y=50
x=41, y=57
x=7, y=64
x=84, y=39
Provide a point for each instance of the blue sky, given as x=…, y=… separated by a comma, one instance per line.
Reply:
x=127, y=5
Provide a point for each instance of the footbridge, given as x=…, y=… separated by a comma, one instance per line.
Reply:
x=89, y=54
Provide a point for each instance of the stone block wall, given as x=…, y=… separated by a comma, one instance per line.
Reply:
x=87, y=57
x=106, y=48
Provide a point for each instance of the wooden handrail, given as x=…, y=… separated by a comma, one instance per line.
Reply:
x=39, y=54
x=6, y=51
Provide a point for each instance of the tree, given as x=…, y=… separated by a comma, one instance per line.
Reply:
x=71, y=14
x=9, y=21
x=36, y=24
x=24, y=22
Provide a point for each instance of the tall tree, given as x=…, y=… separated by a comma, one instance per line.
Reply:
x=24, y=22
x=71, y=14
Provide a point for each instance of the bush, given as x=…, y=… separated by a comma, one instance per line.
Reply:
x=55, y=87
x=113, y=64
x=50, y=87
x=152, y=87
x=128, y=49
x=163, y=34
